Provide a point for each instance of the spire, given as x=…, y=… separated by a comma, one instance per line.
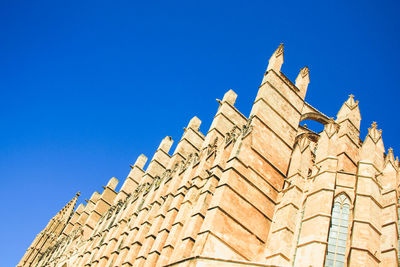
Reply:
x=374, y=133
x=372, y=149
x=390, y=158
x=351, y=112
x=388, y=179
x=302, y=81
x=349, y=119
x=54, y=229
x=350, y=102
x=65, y=213
x=276, y=60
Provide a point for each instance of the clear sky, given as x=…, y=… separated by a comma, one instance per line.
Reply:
x=87, y=86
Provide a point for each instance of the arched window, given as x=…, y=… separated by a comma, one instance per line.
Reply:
x=337, y=239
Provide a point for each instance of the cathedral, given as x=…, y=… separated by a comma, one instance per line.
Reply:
x=261, y=190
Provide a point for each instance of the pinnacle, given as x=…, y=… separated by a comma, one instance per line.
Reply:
x=276, y=61
x=374, y=133
x=304, y=71
x=351, y=103
x=390, y=157
x=279, y=50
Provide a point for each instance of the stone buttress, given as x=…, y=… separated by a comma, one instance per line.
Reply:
x=261, y=190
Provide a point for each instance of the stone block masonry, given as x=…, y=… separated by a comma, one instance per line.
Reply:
x=256, y=191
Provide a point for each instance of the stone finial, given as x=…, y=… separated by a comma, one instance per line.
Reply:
x=194, y=123
x=372, y=148
x=78, y=194
x=374, y=133
x=302, y=81
x=390, y=157
x=350, y=102
x=230, y=97
x=166, y=144
x=276, y=60
x=140, y=161
x=351, y=112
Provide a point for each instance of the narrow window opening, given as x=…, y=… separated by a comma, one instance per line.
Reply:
x=337, y=240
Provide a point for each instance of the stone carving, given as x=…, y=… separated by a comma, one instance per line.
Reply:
x=157, y=182
x=195, y=158
x=246, y=129
x=232, y=135
x=331, y=128
x=212, y=146
x=185, y=163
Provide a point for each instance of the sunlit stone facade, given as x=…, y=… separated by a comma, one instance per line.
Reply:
x=253, y=191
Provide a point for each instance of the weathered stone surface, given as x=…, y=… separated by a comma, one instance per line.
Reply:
x=257, y=191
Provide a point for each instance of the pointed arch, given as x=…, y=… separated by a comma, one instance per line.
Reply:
x=337, y=238
x=343, y=192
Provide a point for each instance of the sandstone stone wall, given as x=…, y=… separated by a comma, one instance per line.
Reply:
x=253, y=191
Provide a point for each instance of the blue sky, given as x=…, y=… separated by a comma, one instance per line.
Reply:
x=87, y=86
